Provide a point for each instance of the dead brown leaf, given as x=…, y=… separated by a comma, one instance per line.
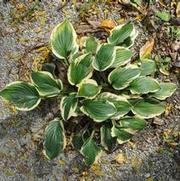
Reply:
x=82, y=29
x=107, y=24
x=158, y=121
x=178, y=10
x=146, y=50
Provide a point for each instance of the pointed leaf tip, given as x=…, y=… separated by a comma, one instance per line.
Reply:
x=63, y=40
x=54, y=141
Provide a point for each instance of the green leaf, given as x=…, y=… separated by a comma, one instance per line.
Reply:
x=166, y=90
x=79, y=69
x=120, y=33
x=120, y=78
x=68, y=106
x=144, y=85
x=63, y=40
x=163, y=15
x=77, y=141
x=148, y=108
x=136, y=3
x=148, y=67
x=121, y=103
x=122, y=136
x=132, y=124
x=47, y=86
x=22, y=95
x=123, y=56
x=90, y=151
x=54, y=141
x=88, y=89
x=104, y=57
x=49, y=67
x=107, y=141
x=98, y=110
x=91, y=45
x=79, y=138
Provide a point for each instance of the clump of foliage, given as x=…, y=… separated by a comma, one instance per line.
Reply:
x=113, y=95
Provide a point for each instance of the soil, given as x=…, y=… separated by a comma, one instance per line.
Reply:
x=152, y=155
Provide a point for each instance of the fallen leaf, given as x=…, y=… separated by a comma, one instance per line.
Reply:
x=163, y=15
x=94, y=24
x=62, y=162
x=97, y=170
x=149, y=179
x=136, y=163
x=131, y=144
x=138, y=18
x=178, y=10
x=168, y=109
x=107, y=24
x=158, y=121
x=146, y=50
x=120, y=158
x=121, y=21
x=82, y=29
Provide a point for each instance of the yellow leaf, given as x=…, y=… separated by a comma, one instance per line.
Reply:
x=107, y=24
x=149, y=179
x=132, y=145
x=138, y=18
x=61, y=162
x=168, y=109
x=120, y=158
x=121, y=20
x=136, y=163
x=146, y=50
x=37, y=30
x=97, y=170
x=178, y=10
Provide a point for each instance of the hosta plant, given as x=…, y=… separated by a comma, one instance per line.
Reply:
x=107, y=96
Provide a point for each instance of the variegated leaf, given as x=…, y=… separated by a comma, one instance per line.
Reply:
x=123, y=56
x=22, y=95
x=90, y=151
x=122, y=135
x=148, y=108
x=144, y=85
x=123, y=35
x=68, y=106
x=63, y=40
x=91, y=45
x=132, y=124
x=120, y=78
x=47, y=86
x=88, y=89
x=54, y=141
x=80, y=69
x=98, y=110
x=148, y=67
x=105, y=57
x=121, y=103
x=166, y=90
x=107, y=141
